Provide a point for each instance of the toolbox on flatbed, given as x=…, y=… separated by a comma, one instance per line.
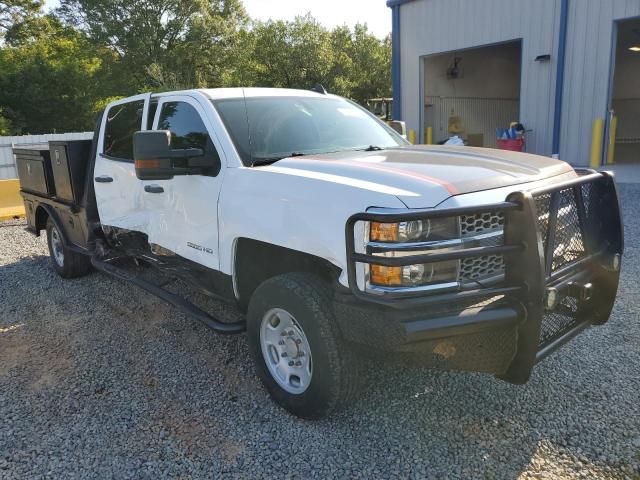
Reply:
x=34, y=170
x=69, y=164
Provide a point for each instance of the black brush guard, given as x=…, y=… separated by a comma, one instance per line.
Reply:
x=530, y=266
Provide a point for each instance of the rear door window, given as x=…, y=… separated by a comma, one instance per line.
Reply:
x=122, y=122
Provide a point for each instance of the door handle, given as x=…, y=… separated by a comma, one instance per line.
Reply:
x=103, y=179
x=153, y=189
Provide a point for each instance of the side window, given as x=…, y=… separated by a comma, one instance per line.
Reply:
x=188, y=131
x=122, y=122
x=186, y=127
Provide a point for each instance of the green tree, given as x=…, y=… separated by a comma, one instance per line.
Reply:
x=370, y=73
x=295, y=54
x=5, y=125
x=51, y=82
x=57, y=70
x=299, y=54
x=186, y=43
x=17, y=11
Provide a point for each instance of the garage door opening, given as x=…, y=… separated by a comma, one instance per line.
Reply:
x=471, y=93
x=624, y=122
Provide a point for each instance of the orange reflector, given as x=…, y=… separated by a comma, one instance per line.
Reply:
x=390, y=276
x=147, y=163
x=384, y=232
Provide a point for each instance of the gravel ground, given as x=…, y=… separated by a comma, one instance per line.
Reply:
x=100, y=380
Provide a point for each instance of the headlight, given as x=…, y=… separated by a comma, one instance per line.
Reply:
x=422, y=239
x=414, y=275
x=415, y=230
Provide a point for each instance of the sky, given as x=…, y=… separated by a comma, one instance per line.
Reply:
x=330, y=13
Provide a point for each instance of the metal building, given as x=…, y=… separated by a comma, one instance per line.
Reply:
x=567, y=70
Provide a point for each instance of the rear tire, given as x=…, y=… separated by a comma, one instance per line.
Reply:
x=66, y=262
x=287, y=316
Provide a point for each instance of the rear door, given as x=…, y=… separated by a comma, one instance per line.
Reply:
x=118, y=190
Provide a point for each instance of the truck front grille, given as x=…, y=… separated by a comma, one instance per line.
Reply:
x=471, y=225
x=479, y=268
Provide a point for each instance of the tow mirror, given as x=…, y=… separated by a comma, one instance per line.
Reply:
x=154, y=158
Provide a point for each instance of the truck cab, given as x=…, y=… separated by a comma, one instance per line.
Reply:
x=337, y=238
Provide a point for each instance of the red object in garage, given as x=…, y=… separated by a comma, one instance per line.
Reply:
x=513, y=144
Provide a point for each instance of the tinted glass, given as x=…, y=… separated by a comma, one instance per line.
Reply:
x=276, y=127
x=186, y=127
x=122, y=122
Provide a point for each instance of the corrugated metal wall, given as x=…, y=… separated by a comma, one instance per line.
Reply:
x=437, y=26
x=590, y=42
x=7, y=161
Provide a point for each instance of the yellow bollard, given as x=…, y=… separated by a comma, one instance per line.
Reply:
x=596, y=143
x=428, y=135
x=412, y=137
x=612, y=140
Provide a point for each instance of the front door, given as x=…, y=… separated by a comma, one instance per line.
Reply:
x=183, y=212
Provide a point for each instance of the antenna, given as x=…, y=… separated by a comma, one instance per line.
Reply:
x=319, y=89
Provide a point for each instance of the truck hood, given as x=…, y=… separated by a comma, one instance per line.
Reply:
x=424, y=176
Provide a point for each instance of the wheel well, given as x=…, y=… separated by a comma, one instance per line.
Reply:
x=41, y=218
x=257, y=261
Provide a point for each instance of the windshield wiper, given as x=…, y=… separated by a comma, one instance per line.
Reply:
x=370, y=148
x=269, y=160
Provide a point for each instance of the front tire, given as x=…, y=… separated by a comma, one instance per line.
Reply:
x=66, y=262
x=297, y=349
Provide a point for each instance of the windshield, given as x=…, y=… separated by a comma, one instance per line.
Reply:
x=271, y=128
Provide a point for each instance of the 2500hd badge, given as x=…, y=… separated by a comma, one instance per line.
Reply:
x=200, y=248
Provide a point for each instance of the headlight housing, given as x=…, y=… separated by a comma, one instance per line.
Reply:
x=415, y=230
x=426, y=237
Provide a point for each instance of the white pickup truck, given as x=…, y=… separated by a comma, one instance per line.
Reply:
x=338, y=238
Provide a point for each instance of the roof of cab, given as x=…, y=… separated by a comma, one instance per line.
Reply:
x=216, y=93
x=240, y=92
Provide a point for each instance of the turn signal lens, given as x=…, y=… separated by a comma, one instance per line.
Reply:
x=384, y=232
x=147, y=164
x=387, y=276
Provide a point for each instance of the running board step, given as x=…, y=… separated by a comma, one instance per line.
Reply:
x=183, y=305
